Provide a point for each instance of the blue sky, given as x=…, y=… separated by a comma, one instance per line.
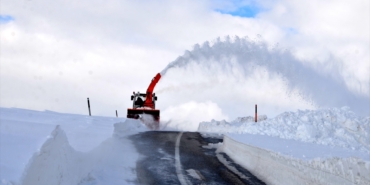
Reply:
x=249, y=11
x=6, y=18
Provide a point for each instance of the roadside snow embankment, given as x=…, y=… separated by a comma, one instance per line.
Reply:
x=58, y=163
x=276, y=169
x=333, y=127
x=23, y=132
x=328, y=146
x=52, y=164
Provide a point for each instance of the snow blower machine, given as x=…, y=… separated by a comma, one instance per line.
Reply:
x=144, y=105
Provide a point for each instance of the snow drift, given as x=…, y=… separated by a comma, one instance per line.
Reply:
x=327, y=146
x=112, y=162
x=53, y=163
x=276, y=169
x=333, y=127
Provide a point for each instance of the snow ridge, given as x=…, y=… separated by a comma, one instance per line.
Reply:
x=333, y=127
x=58, y=163
x=51, y=165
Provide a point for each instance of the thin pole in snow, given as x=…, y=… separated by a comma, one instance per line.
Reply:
x=88, y=105
x=116, y=114
x=255, y=115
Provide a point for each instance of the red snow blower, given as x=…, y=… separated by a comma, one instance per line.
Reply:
x=144, y=103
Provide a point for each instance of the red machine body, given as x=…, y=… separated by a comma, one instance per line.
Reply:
x=146, y=106
x=149, y=101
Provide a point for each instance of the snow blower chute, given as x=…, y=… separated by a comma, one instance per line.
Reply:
x=145, y=103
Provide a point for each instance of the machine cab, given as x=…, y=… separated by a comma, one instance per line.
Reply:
x=139, y=99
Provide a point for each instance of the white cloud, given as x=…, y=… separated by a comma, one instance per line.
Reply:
x=326, y=30
x=55, y=54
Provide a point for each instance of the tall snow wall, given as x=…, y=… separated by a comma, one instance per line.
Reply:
x=276, y=169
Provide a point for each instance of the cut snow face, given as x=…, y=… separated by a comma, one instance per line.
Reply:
x=274, y=166
x=82, y=149
x=333, y=127
x=112, y=162
x=23, y=132
x=238, y=73
x=56, y=162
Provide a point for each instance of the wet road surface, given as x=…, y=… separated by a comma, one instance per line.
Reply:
x=180, y=158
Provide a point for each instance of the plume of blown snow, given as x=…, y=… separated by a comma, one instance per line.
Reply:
x=187, y=116
x=237, y=73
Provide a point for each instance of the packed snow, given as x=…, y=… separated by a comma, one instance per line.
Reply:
x=58, y=163
x=333, y=127
x=54, y=148
x=272, y=167
x=313, y=146
x=334, y=142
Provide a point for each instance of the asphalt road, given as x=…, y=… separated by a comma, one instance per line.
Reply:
x=180, y=158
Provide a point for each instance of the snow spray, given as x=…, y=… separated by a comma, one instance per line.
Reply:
x=246, y=55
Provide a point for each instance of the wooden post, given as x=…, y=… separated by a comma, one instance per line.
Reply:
x=255, y=116
x=116, y=114
x=88, y=105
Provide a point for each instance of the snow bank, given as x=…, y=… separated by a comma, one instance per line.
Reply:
x=333, y=127
x=328, y=146
x=56, y=162
x=22, y=132
x=112, y=162
x=250, y=119
x=274, y=168
x=129, y=127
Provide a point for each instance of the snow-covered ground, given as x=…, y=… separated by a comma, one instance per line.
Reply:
x=333, y=127
x=319, y=146
x=53, y=148
x=327, y=146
